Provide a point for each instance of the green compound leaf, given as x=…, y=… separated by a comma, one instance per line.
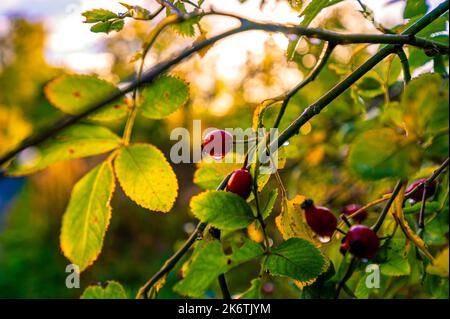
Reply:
x=146, y=177
x=163, y=97
x=74, y=142
x=379, y=153
x=73, y=94
x=223, y=210
x=87, y=216
x=296, y=258
x=98, y=15
x=209, y=261
x=113, y=290
x=395, y=261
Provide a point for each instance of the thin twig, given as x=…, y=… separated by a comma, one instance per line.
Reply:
x=405, y=64
x=388, y=205
x=426, y=185
x=351, y=268
x=326, y=53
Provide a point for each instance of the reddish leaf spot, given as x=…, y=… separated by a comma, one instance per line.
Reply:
x=76, y=94
x=71, y=151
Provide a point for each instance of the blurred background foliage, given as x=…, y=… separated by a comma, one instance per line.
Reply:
x=137, y=242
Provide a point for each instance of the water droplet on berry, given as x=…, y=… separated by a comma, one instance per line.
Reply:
x=324, y=239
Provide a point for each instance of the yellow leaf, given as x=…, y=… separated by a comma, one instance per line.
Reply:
x=291, y=221
x=146, y=177
x=440, y=266
x=87, y=216
x=397, y=212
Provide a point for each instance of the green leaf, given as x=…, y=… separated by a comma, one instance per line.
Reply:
x=146, y=177
x=98, y=15
x=379, y=153
x=223, y=210
x=425, y=105
x=108, y=26
x=270, y=203
x=414, y=8
x=308, y=14
x=163, y=97
x=73, y=94
x=113, y=290
x=254, y=292
x=87, y=216
x=296, y=258
x=74, y=142
x=185, y=28
x=209, y=261
x=209, y=175
x=396, y=259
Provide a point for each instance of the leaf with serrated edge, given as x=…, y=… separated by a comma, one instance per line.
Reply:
x=73, y=94
x=146, y=177
x=163, y=97
x=87, y=216
x=113, y=290
x=296, y=258
x=223, y=210
x=77, y=141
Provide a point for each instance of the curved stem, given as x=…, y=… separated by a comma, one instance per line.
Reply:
x=405, y=64
x=388, y=205
x=147, y=46
x=326, y=53
x=426, y=184
x=351, y=268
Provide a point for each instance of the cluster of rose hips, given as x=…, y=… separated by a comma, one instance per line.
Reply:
x=360, y=240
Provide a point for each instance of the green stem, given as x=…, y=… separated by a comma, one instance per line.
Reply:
x=426, y=185
x=405, y=64
x=326, y=53
x=388, y=205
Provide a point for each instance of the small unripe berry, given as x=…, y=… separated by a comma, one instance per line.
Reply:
x=240, y=183
x=353, y=208
x=361, y=241
x=321, y=220
x=416, y=195
x=217, y=143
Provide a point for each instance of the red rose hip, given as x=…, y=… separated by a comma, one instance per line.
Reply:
x=416, y=189
x=320, y=219
x=361, y=241
x=217, y=143
x=240, y=183
x=353, y=208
